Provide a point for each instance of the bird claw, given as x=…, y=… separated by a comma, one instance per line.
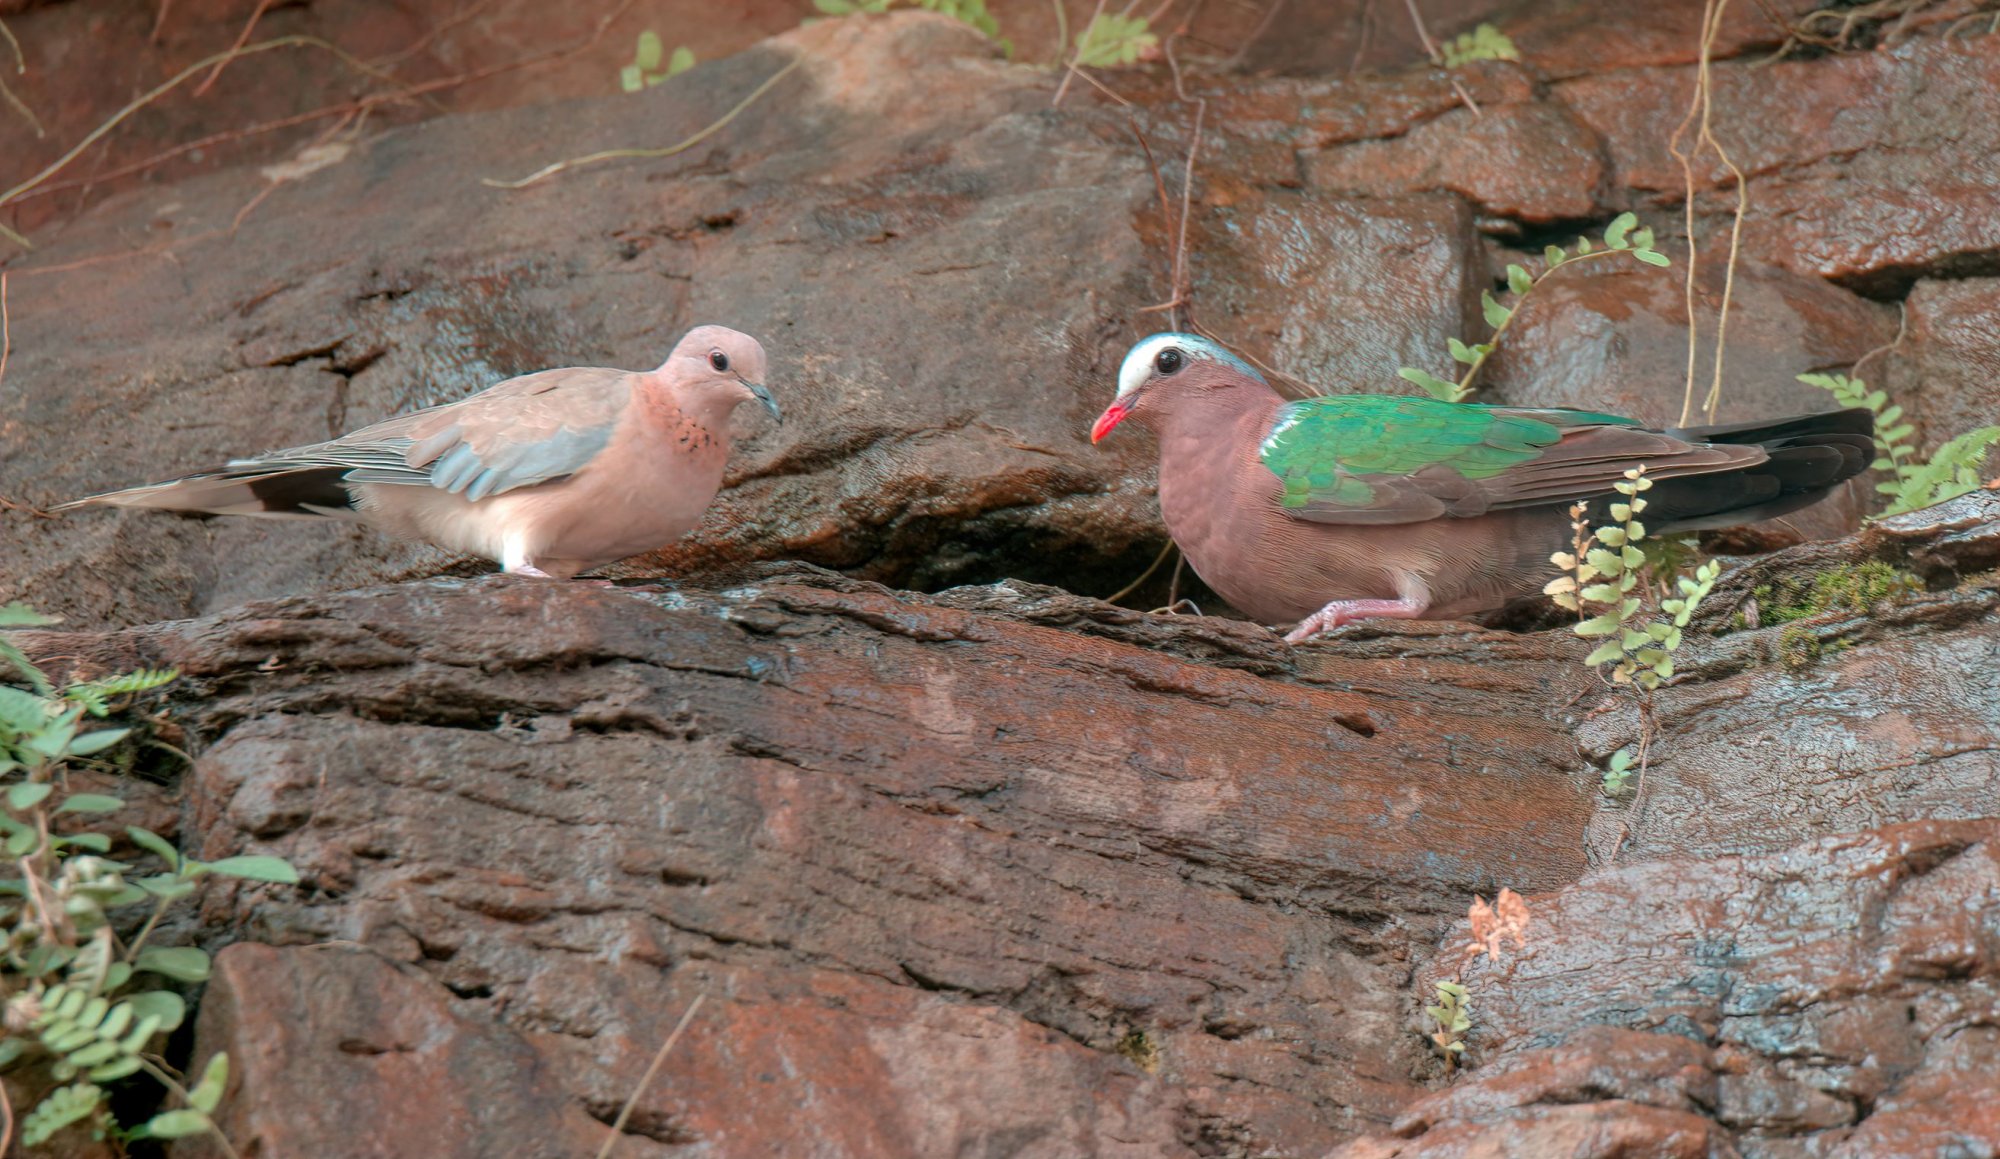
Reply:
x=1340, y=612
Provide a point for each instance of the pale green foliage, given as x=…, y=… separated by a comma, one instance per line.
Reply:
x=644, y=71
x=1482, y=43
x=1951, y=471
x=1111, y=40
x=1621, y=237
x=972, y=12
x=1618, y=772
x=69, y=985
x=1451, y=1017
x=1600, y=582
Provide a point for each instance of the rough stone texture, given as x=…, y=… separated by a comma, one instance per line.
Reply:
x=1834, y=999
x=994, y=834
x=1947, y=369
x=1003, y=870
x=1884, y=167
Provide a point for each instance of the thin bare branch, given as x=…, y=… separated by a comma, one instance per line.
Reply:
x=646, y=1080
x=242, y=38
x=548, y=171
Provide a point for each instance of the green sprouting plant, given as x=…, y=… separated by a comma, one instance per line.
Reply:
x=74, y=993
x=1451, y=1017
x=972, y=12
x=1111, y=40
x=1854, y=587
x=1620, y=237
x=1618, y=772
x=1599, y=582
x=645, y=71
x=1951, y=471
x=1482, y=43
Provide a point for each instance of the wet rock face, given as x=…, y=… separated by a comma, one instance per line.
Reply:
x=1006, y=867
x=1004, y=864
x=1002, y=869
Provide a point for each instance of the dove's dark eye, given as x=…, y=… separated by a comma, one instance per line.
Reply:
x=1169, y=361
x=718, y=359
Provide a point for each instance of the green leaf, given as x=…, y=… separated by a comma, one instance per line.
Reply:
x=681, y=61
x=1605, y=653
x=631, y=78
x=91, y=743
x=1461, y=352
x=1554, y=255
x=1652, y=257
x=835, y=7
x=275, y=869
x=1113, y=39
x=207, y=1094
x=1614, y=234
x=90, y=803
x=20, y=615
x=58, y=1109
x=1518, y=279
x=1496, y=314
x=1621, y=511
x=172, y=1125
x=181, y=963
x=155, y=844
x=163, y=1009
x=1434, y=386
x=95, y=842
x=27, y=794
x=1583, y=245
x=1611, y=536
x=1603, y=625
x=1642, y=240
x=650, y=51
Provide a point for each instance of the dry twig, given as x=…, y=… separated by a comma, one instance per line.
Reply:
x=646, y=1080
x=1700, y=109
x=714, y=127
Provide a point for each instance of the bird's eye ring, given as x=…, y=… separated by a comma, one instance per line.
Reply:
x=1168, y=361
x=718, y=359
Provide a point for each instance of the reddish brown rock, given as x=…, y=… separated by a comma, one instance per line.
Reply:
x=1531, y=162
x=1946, y=371
x=1884, y=167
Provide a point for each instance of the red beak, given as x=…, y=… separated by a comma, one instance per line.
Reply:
x=1112, y=416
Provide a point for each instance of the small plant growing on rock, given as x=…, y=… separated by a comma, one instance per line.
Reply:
x=1451, y=1017
x=72, y=990
x=1950, y=472
x=971, y=12
x=1601, y=576
x=644, y=71
x=1111, y=40
x=1482, y=43
x=1492, y=926
x=1620, y=237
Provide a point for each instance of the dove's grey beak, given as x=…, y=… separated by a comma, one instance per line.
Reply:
x=763, y=394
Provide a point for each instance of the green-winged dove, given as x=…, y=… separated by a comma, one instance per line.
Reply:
x=550, y=474
x=1328, y=510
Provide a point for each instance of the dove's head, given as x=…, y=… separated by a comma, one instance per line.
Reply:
x=1167, y=371
x=714, y=368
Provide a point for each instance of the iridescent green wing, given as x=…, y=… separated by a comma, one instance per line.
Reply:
x=1384, y=459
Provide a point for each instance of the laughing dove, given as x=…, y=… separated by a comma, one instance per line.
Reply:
x=550, y=474
x=1328, y=510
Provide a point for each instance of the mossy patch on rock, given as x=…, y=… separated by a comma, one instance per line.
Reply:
x=1847, y=587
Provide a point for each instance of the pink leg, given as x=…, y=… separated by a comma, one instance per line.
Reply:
x=1347, y=611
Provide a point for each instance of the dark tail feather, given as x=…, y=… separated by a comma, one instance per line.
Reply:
x=252, y=488
x=1809, y=456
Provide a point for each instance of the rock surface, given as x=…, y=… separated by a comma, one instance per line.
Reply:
x=1003, y=870
x=1009, y=870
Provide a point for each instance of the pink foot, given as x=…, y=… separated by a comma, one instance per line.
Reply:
x=1347, y=611
x=529, y=569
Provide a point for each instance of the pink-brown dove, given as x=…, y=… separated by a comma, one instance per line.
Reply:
x=550, y=474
